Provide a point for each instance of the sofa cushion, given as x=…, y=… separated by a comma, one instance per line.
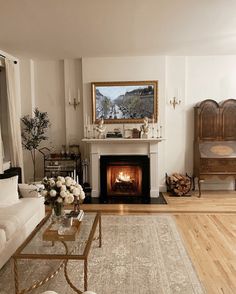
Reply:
x=8, y=191
x=16, y=215
x=3, y=239
x=30, y=191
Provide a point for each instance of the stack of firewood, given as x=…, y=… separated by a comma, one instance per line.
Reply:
x=178, y=184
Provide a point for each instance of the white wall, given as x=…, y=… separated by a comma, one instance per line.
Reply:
x=175, y=123
x=191, y=79
x=43, y=86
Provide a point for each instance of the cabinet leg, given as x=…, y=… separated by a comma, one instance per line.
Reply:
x=193, y=183
x=199, y=188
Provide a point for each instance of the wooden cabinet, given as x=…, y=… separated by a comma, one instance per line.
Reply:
x=214, y=139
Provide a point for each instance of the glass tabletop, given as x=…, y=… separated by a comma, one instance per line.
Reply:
x=37, y=247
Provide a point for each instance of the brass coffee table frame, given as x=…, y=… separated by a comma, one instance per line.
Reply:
x=63, y=257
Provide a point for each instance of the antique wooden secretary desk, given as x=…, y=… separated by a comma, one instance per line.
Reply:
x=214, y=140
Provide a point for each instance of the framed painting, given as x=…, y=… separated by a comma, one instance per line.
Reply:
x=124, y=102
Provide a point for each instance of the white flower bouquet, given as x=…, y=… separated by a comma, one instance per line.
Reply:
x=62, y=190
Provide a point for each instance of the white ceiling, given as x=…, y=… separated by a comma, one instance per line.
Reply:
x=74, y=28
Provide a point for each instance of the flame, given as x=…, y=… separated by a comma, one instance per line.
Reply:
x=123, y=177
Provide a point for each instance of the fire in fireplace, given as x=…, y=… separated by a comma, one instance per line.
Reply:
x=124, y=179
x=124, y=176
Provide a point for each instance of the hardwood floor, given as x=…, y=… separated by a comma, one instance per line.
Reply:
x=208, y=229
x=210, y=241
x=216, y=202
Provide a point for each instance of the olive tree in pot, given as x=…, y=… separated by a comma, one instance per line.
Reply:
x=34, y=132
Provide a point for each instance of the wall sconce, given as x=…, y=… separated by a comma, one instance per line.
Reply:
x=75, y=101
x=174, y=101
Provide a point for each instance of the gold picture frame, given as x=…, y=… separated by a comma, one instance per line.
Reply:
x=124, y=102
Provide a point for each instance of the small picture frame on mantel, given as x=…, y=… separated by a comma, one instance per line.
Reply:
x=124, y=102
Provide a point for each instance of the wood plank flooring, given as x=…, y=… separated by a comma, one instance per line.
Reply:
x=209, y=202
x=208, y=229
x=210, y=241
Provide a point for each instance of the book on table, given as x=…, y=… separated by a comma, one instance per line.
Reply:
x=60, y=231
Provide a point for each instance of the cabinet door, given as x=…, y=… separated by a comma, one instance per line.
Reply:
x=228, y=118
x=208, y=120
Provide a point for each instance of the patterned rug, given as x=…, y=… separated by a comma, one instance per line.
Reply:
x=140, y=254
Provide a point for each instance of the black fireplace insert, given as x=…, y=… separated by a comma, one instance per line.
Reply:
x=123, y=176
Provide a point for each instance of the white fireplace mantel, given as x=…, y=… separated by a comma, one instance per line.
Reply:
x=121, y=146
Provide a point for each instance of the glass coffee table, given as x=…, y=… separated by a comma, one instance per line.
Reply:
x=44, y=243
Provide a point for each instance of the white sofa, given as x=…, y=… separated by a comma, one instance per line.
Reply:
x=18, y=217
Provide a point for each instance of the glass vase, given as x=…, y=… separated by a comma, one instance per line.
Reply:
x=57, y=211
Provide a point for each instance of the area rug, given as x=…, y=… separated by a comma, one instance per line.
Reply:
x=140, y=254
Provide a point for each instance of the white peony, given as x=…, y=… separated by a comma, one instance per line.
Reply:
x=59, y=200
x=52, y=183
x=76, y=191
x=61, y=179
x=58, y=184
x=68, y=182
x=63, y=188
x=82, y=195
x=63, y=194
x=53, y=193
x=69, y=198
x=44, y=193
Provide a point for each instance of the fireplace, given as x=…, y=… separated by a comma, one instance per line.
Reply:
x=124, y=176
x=126, y=148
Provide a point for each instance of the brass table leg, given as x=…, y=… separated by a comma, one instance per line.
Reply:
x=16, y=276
x=100, y=231
x=85, y=275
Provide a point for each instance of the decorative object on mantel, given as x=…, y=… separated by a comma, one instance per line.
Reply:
x=33, y=133
x=160, y=131
x=100, y=128
x=178, y=184
x=124, y=102
x=136, y=133
x=145, y=128
x=115, y=134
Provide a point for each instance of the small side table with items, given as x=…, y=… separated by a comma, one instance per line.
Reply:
x=62, y=164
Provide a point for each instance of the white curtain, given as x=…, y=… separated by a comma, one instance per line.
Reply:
x=13, y=98
x=1, y=153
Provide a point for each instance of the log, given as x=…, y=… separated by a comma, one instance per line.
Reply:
x=178, y=184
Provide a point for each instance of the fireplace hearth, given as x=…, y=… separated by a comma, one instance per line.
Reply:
x=124, y=176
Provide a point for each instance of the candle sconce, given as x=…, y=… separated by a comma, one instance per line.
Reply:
x=74, y=103
x=174, y=101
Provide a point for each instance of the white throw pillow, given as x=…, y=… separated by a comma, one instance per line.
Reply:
x=27, y=190
x=8, y=191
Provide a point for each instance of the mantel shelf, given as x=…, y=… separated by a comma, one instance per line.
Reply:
x=123, y=140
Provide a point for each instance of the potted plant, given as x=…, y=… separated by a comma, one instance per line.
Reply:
x=34, y=132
